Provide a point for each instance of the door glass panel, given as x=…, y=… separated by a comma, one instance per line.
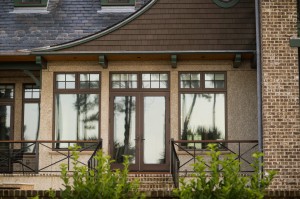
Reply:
x=124, y=128
x=154, y=130
x=31, y=124
x=5, y=115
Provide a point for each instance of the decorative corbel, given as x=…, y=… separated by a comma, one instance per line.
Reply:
x=41, y=61
x=174, y=61
x=237, y=60
x=103, y=61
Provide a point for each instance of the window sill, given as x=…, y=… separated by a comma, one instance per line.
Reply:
x=117, y=9
x=30, y=10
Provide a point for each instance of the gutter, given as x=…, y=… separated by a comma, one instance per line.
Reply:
x=259, y=80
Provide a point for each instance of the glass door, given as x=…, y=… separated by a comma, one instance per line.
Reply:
x=140, y=129
x=155, y=128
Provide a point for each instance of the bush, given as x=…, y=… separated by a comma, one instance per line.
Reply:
x=99, y=183
x=224, y=184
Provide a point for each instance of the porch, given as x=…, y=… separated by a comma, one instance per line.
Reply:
x=41, y=167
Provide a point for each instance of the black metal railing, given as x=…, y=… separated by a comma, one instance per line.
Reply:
x=42, y=155
x=92, y=162
x=184, y=153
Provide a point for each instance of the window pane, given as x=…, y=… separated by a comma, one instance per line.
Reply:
x=219, y=77
x=76, y=117
x=154, y=135
x=195, y=76
x=84, y=77
x=202, y=117
x=209, y=76
x=31, y=125
x=70, y=77
x=94, y=77
x=5, y=122
x=70, y=85
x=146, y=77
x=60, y=77
x=61, y=85
x=124, y=128
x=116, y=77
x=209, y=84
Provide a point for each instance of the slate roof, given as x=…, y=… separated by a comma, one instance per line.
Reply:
x=67, y=20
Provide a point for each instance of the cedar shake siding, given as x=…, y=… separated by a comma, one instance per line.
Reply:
x=175, y=25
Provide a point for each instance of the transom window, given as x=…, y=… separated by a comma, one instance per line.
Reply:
x=202, y=106
x=30, y=3
x=6, y=91
x=31, y=91
x=145, y=81
x=77, y=104
x=82, y=81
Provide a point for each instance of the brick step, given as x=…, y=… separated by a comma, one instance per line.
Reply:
x=153, y=182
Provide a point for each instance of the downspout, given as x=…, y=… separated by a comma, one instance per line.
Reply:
x=259, y=79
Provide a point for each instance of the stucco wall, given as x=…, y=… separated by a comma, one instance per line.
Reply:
x=241, y=93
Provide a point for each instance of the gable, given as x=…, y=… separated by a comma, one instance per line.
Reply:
x=174, y=25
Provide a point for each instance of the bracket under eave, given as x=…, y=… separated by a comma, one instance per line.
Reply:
x=41, y=61
x=103, y=61
x=174, y=61
x=36, y=80
x=254, y=61
x=237, y=60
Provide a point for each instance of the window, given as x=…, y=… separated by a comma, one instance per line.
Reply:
x=117, y=2
x=137, y=81
x=77, y=97
x=30, y=3
x=6, y=111
x=31, y=115
x=202, y=106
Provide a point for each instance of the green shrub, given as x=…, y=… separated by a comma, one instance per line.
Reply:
x=225, y=183
x=99, y=183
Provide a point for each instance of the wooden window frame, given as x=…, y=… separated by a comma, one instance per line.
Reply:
x=76, y=90
x=10, y=102
x=107, y=3
x=139, y=82
x=18, y=3
x=28, y=100
x=201, y=90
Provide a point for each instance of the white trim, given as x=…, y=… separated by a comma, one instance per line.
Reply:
x=116, y=9
x=29, y=10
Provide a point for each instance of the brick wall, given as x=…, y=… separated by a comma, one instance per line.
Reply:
x=280, y=93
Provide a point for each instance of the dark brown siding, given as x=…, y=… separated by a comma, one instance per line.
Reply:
x=174, y=25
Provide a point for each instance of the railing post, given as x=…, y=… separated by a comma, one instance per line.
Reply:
x=68, y=156
x=37, y=157
x=240, y=156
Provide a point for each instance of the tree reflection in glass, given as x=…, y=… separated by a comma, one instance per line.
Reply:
x=31, y=125
x=154, y=130
x=124, y=128
x=202, y=117
x=76, y=117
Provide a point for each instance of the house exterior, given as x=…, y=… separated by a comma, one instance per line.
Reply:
x=138, y=74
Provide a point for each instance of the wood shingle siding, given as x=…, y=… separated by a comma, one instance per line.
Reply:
x=174, y=25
